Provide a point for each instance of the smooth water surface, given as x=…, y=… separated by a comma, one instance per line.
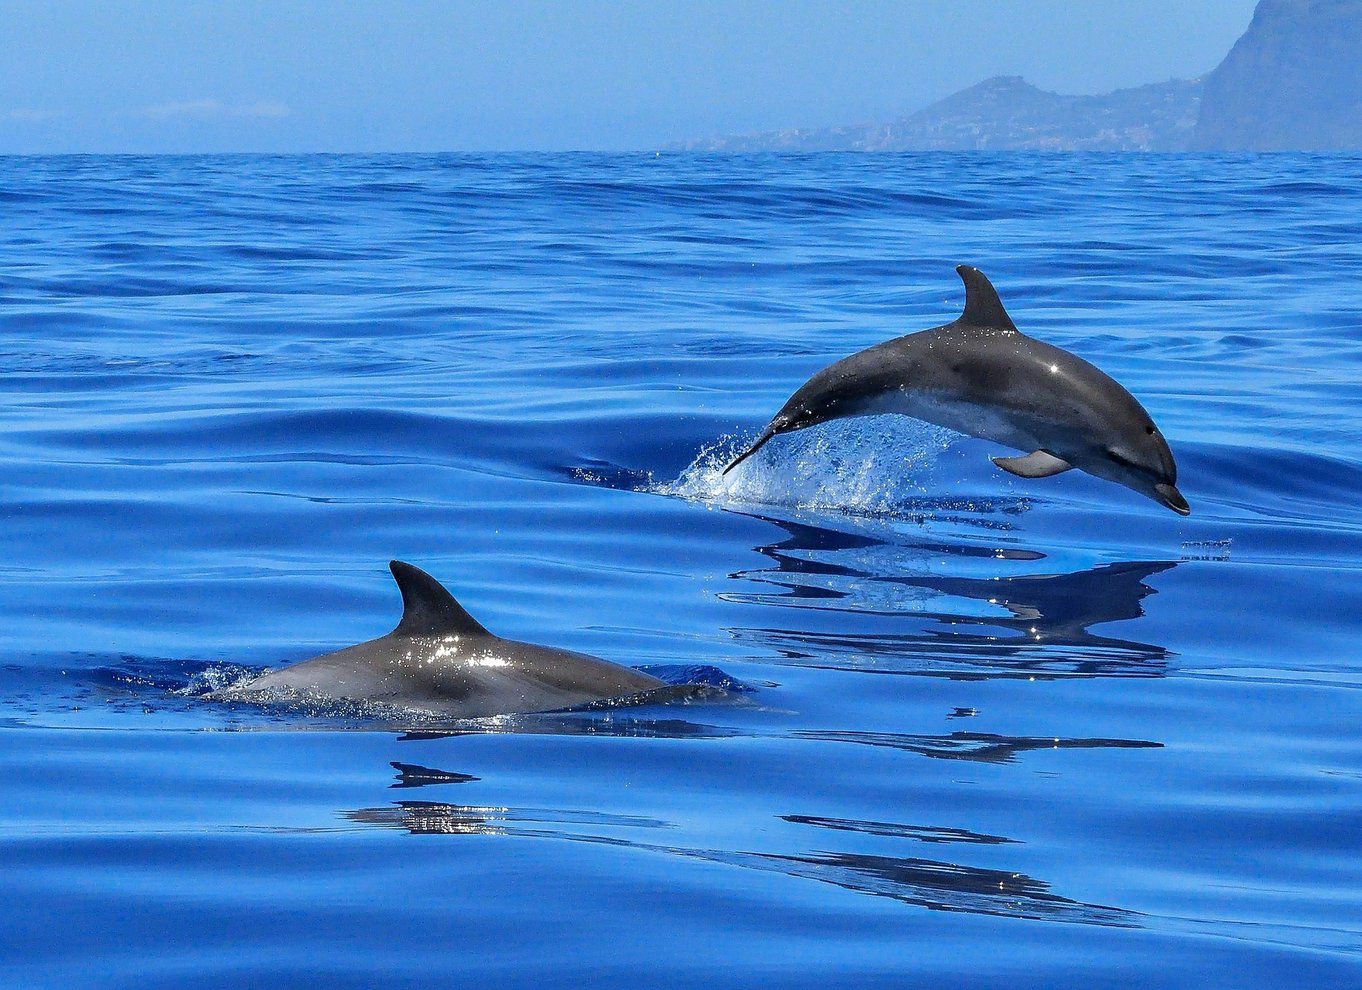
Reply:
x=1003, y=733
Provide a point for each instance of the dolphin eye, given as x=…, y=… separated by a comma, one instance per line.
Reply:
x=1149, y=429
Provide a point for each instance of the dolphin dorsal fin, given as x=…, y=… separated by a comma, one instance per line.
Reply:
x=983, y=308
x=427, y=608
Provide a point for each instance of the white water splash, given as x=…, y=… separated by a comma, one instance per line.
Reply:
x=870, y=466
x=216, y=677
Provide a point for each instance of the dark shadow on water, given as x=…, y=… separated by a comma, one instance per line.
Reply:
x=899, y=831
x=1059, y=609
x=1037, y=624
x=805, y=537
x=615, y=726
x=412, y=775
x=927, y=883
x=980, y=747
x=438, y=818
x=605, y=474
x=959, y=656
x=938, y=886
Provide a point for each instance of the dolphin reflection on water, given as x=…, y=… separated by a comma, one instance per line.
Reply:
x=934, y=884
x=1029, y=624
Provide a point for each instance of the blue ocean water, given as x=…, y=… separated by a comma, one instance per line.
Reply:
x=1002, y=733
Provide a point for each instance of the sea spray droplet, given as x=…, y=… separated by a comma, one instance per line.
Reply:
x=873, y=466
x=216, y=677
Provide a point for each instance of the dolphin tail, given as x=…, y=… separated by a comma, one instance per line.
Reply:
x=767, y=434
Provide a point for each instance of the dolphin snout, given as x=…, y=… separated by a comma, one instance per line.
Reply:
x=767, y=434
x=1170, y=496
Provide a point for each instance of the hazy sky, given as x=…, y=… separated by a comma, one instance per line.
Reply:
x=420, y=75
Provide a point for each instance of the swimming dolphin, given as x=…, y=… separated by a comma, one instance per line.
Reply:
x=983, y=377
x=441, y=660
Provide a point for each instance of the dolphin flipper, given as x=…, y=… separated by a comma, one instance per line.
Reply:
x=1037, y=464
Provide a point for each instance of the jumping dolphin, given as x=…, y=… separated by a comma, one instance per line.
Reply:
x=983, y=377
x=441, y=660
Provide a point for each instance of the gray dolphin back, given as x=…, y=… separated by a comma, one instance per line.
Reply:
x=440, y=660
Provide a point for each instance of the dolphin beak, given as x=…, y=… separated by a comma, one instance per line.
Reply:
x=761, y=440
x=1170, y=496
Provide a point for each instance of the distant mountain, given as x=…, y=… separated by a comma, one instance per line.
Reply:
x=1293, y=82
x=1006, y=113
